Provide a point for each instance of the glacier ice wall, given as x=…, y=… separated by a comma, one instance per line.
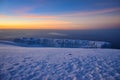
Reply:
x=63, y=43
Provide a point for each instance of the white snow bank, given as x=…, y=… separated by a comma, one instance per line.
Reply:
x=22, y=63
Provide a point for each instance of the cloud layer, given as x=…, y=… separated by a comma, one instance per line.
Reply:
x=57, y=34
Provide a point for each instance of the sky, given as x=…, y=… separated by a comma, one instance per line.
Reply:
x=59, y=14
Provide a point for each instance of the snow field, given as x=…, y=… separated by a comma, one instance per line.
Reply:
x=22, y=63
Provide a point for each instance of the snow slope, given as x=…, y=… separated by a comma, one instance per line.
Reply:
x=22, y=63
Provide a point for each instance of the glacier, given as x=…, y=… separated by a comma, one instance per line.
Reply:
x=62, y=43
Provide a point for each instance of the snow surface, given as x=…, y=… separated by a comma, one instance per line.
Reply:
x=29, y=63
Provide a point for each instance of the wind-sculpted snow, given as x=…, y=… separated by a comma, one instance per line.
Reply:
x=22, y=63
x=64, y=43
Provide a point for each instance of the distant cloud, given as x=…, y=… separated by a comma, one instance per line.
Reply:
x=57, y=34
x=88, y=13
x=32, y=16
x=4, y=16
x=103, y=4
x=37, y=16
x=75, y=14
x=23, y=10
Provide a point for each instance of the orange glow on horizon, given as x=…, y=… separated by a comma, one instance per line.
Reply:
x=39, y=27
x=33, y=24
x=56, y=27
x=68, y=21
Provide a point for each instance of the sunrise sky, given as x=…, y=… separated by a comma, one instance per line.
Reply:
x=59, y=14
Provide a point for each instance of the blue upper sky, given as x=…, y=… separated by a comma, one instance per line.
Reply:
x=56, y=6
x=59, y=8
